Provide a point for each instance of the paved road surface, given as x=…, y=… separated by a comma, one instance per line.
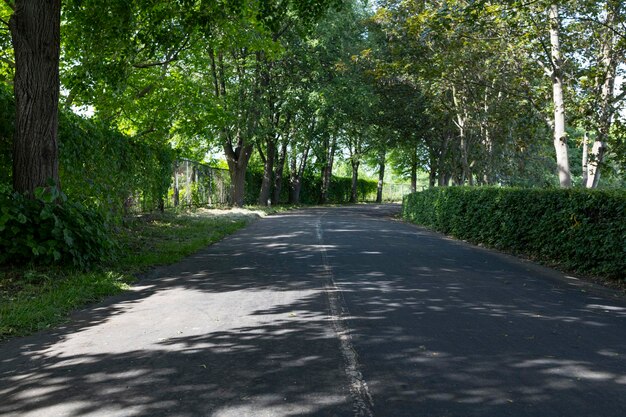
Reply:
x=332, y=312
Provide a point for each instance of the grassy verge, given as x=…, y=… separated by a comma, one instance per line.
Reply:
x=32, y=299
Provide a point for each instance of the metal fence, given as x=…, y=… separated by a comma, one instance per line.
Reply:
x=196, y=184
x=395, y=192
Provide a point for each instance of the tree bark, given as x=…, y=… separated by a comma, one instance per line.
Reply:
x=585, y=159
x=381, y=175
x=593, y=167
x=264, y=193
x=443, y=173
x=432, y=175
x=354, y=197
x=278, y=173
x=413, y=174
x=237, y=159
x=461, y=119
x=35, y=30
x=297, y=172
x=328, y=169
x=560, y=136
x=607, y=91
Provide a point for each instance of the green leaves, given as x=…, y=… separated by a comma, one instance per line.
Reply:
x=51, y=229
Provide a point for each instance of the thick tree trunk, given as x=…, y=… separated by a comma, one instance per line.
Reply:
x=560, y=136
x=238, y=186
x=593, y=168
x=354, y=195
x=294, y=191
x=264, y=194
x=328, y=170
x=296, y=174
x=35, y=30
x=237, y=165
x=381, y=175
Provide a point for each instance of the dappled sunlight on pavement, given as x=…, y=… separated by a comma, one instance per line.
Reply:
x=332, y=312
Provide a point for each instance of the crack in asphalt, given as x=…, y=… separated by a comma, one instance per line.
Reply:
x=361, y=396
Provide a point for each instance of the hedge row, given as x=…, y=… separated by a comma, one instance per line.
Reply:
x=582, y=230
x=339, y=191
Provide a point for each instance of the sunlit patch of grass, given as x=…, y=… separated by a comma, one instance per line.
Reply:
x=40, y=299
x=166, y=240
x=32, y=299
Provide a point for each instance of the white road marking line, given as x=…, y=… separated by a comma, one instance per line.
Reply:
x=361, y=397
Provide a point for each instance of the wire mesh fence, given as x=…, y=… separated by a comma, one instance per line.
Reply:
x=196, y=184
x=395, y=192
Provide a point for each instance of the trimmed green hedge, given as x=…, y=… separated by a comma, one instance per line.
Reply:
x=339, y=190
x=582, y=230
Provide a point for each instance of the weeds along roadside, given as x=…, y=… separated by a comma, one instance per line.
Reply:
x=34, y=298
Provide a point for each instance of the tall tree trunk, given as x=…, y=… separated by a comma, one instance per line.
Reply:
x=560, y=136
x=461, y=119
x=585, y=159
x=35, y=30
x=413, y=171
x=278, y=172
x=381, y=174
x=443, y=178
x=606, y=108
x=264, y=194
x=237, y=159
x=432, y=174
x=328, y=169
x=593, y=167
x=296, y=174
x=354, y=195
x=294, y=191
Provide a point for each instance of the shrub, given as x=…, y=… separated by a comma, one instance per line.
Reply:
x=49, y=229
x=583, y=230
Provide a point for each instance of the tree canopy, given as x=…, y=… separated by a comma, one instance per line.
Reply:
x=470, y=92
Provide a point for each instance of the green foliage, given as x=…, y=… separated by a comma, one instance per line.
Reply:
x=99, y=166
x=50, y=229
x=340, y=189
x=583, y=230
x=105, y=168
x=35, y=299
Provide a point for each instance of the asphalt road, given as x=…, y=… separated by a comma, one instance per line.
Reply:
x=332, y=312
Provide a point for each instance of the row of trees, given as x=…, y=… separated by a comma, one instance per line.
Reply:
x=469, y=91
x=500, y=77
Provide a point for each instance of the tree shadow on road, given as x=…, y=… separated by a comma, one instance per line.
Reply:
x=440, y=328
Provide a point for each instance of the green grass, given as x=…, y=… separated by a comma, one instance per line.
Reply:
x=36, y=298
